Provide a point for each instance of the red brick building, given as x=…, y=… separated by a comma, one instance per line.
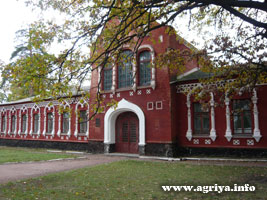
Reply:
x=153, y=116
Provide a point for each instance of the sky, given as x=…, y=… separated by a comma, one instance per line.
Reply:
x=14, y=15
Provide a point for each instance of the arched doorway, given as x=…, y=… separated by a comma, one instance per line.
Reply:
x=127, y=133
x=110, y=120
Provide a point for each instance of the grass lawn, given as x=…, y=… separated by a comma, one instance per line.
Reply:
x=130, y=179
x=11, y=154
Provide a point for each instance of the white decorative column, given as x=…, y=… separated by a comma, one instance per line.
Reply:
x=189, y=128
x=9, y=124
x=228, y=132
x=20, y=121
x=87, y=133
x=153, y=70
x=114, y=71
x=54, y=122
x=44, y=131
x=212, y=114
x=27, y=126
x=59, y=124
x=134, y=75
x=256, y=132
x=31, y=122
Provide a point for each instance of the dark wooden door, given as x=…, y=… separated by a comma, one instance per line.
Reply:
x=127, y=133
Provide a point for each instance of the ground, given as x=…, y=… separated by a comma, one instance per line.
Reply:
x=116, y=177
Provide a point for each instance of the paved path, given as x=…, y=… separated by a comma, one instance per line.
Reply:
x=18, y=171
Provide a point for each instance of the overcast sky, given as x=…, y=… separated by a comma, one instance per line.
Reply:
x=14, y=15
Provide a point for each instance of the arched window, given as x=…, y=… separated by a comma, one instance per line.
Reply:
x=49, y=120
x=35, y=120
x=12, y=121
x=107, y=77
x=3, y=121
x=23, y=123
x=64, y=120
x=125, y=74
x=82, y=116
x=144, y=62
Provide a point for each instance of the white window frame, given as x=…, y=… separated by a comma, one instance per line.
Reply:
x=189, y=133
x=64, y=104
x=49, y=107
x=153, y=69
x=12, y=112
x=23, y=110
x=256, y=131
x=3, y=113
x=81, y=103
x=35, y=108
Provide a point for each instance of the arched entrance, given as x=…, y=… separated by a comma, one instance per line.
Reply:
x=127, y=133
x=110, y=121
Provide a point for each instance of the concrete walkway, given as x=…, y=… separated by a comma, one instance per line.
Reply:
x=18, y=171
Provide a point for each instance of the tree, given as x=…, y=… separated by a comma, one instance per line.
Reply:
x=103, y=27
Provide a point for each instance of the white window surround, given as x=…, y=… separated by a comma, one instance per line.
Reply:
x=35, y=108
x=153, y=69
x=13, y=111
x=228, y=132
x=23, y=110
x=111, y=116
x=49, y=107
x=212, y=115
x=83, y=103
x=134, y=67
x=59, y=132
x=189, y=133
x=256, y=132
x=189, y=123
x=3, y=113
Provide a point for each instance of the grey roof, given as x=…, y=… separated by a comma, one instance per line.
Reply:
x=73, y=90
x=195, y=76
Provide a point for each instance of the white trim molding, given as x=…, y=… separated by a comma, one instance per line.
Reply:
x=3, y=113
x=23, y=110
x=256, y=132
x=64, y=104
x=49, y=107
x=35, y=108
x=13, y=111
x=81, y=103
x=189, y=123
x=110, y=121
x=228, y=132
x=212, y=115
x=153, y=69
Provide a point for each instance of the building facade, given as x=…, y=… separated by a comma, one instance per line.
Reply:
x=153, y=116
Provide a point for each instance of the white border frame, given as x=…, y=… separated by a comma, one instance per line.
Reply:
x=111, y=117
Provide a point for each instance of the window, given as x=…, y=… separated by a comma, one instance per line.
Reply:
x=242, y=116
x=65, y=122
x=35, y=123
x=3, y=123
x=144, y=68
x=97, y=122
x=125, y=75
x=23, y=123
x=49, y=127
x=107, y=76
x=13, y=123
x=201, y=120
x=83, y=122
